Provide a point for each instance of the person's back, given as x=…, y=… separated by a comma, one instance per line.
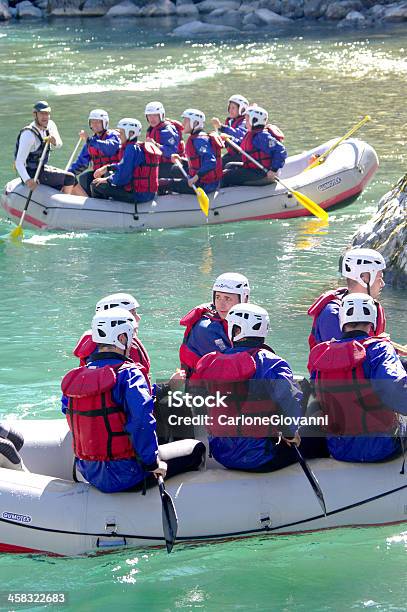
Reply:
x=361, y=386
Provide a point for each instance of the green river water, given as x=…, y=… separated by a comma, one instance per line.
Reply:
x=316, y=86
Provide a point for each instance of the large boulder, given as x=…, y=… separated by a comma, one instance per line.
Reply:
x=66, y=8
x=270, y=18
x=94, y=8
x=207, y=6
x=124, y=9
x=386, y=232
x=5, y=13
x=27, y=10
x=41, y=4
x=248, y=7
x=271, y=5
x=161, y=8
x=294, y=9
x=198, y=28
x=186, y=8
x=314, y=9
x=339, y=10
x=396, y=13
x=225, y=17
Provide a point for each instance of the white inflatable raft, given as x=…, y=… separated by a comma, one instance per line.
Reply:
x=341, y=178
x=46, y=511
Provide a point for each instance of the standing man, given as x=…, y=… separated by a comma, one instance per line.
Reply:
x=101, y=148
x=30, y=145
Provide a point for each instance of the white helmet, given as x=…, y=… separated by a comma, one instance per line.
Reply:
x=232, y=282
x=257, y=116
x=155, y=108
x=357, y=261
x=196, y=117
x=117, y=300
x=357, y=308
x=99, y=113
x=130, y=125
x=252, y=319
x=241, y=101
x=109, y=324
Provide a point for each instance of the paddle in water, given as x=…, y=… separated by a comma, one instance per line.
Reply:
x=202, y=198
x=169, y=516
x=311, y=478
x=300, y=197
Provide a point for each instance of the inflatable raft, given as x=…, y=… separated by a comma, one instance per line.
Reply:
x=45, y=511
x=341, y=178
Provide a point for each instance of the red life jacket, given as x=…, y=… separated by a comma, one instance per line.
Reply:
x=345, y=394
x=145, y=177
x=247, y=145
x=188, y=358
x=124, y=146
x=230, y=375
x=336, y=297
x=233, y=123
x=85, y=347
x=155, y=134
x=194, y=160
x=275, y=131
x=99, y=159
x=96, y=422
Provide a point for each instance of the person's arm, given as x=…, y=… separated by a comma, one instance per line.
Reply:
x=82, y=162
x=327, y=324
x=388, y=376
x=205, y=152
x=53, y=131
x=237, y=133
x=109, y=146
x=169, y=141
x=123, y=175
x=266, y=143
x=203, y=336
x=26, y=144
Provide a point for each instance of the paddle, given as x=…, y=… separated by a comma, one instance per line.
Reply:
x=203, y=199
x=400, y=348
x=17, y=232
x=312, y=479
x=300, y=197
x=320, y=160
x=169, y=516
x=68, y=165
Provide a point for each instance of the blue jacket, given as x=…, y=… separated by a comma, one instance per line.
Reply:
x=108, y=147
x=251, y=453
x=237, y=133
x=263, y=141
x=327, y=324
x=132, y=394
x=133, y=156
x=169, y=139
x=384, y=369
x=206, y=336
x=207, y=161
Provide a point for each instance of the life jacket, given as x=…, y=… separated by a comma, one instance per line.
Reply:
x=155, y=134
x=123, y=147
x=233, y=123
x=345, y=394
x=275, y=131
x=145, y=177
x=194, y=159
x=96, y=422
x=85, y=347
x=33, y=158
x=336, y=297
x=99, y=159
x=230, y=375
x=188, y=358
x=247, y=145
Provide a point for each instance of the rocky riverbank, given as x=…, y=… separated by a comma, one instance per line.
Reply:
x=206, y=17
x=386, y=232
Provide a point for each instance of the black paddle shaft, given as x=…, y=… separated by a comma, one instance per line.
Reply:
x=312, y=479
x=169, y=516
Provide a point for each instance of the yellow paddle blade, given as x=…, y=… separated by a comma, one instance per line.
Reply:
x=311, y=206
x=17, y=233
x=203, y=200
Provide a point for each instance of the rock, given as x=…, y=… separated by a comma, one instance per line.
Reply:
x=162, y=8
x=94, y=8
x=65, y=8
x=377, y=11
x=41, y=4
x=355, y=16
x=269, y=17
x=251, y=19
x=293, y=9
x=225, y=17
x=198, y=28
x=186, y=9
x=26, y=10
x=124, y=9
x=396, y=13
x=207, y=6
x=315, y=8
x=386, y=232
x=247, y=7
x=339, y=10
x=5, y=13
x=271, y=5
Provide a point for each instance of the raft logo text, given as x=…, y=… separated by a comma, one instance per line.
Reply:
x=329, y=184
x=19, y=518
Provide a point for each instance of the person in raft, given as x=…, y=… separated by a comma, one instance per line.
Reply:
x=11, y=442
x=85, y=346
x=29, y=148
x=234, y=126
x=109, y=409
x=99, y=149
x=166, y=134
x=261, y=146
x=203, y=153
x=361, y=386
x=206, y=325
x=363, y=270
x=135, y=177
x=258, y=382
